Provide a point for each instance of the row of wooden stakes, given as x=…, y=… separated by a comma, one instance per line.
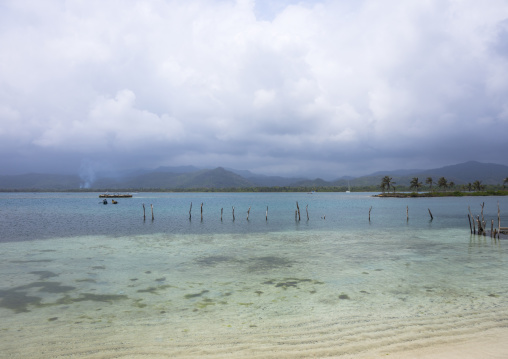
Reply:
x=482, y=224
x=297, y=212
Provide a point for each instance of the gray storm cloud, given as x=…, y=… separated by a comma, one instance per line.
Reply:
x=318, y=87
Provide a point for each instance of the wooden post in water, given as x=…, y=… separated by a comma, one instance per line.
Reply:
x=483, y=219
x=296, y=215
x=470, y=227
x=144, y=216
x=472, y=218
x=267, y=213
x=484, y=224
x=491, y=228
x=480, y=226
x=233, y=213
x=151, y=205
x=190, y=209
x=498, y=220
x=201, y=210
x=431, y=216
x=221, y=210
x=307, y=210
x=298, y=209
x=248, y=213
x=407, y=213
x=370, y=209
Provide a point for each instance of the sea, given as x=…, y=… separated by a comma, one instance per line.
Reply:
x=255, y=275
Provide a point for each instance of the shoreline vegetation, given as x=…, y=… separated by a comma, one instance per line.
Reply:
x=443, y=194
x=441, y=188
x=310, y=190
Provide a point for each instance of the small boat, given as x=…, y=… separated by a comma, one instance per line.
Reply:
x=348, y=188
x=115, y=195
x=105, y=201
x=113, y=201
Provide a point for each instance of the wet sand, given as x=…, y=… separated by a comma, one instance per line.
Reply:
x=474, y=335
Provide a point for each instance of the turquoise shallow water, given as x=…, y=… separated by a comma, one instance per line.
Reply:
x=71, y=268
x=27, y=216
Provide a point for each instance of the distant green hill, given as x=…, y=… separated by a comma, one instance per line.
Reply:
x=216, y=178
x=37, y=181
x=318, y=182
x=186, y=178
x=463, y=173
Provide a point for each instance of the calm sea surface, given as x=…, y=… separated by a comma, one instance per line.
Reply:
x=78, y=277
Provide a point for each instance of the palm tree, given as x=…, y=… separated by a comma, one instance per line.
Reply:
x=469, y=187
x=383, y=184
x=442, y=183
x=505, y=181
x=451, y=184
x=477, y=185
x=429, y=182
x=415, y=184
x=386, y=183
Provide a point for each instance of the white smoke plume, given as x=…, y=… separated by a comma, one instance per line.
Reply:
x=86, y=173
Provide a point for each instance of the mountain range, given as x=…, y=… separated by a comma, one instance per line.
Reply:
x=189, y=177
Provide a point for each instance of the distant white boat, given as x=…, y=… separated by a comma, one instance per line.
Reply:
x=348, y=188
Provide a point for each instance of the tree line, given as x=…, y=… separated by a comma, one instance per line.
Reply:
x=442, y=184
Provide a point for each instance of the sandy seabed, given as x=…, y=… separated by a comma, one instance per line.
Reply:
x=473, y=335
x=88, y=298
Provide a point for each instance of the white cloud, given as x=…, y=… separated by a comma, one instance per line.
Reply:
x=112, y=124
x=263, y=98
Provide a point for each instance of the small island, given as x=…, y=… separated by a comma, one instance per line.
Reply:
x=441, y=194
x=443, y=189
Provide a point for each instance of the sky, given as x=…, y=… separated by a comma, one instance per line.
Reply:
x=315, y=88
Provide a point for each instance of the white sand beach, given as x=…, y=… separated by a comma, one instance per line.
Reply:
x=482, y=335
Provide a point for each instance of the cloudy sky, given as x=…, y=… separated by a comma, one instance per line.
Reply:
x=313, y=87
